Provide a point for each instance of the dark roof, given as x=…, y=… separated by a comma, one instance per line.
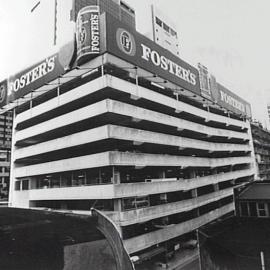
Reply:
x=256, y=191
x=235, y=243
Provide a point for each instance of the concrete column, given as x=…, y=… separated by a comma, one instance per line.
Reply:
x=117, y=207
x=197, y=212
x=233, y=182
x=115, y=176
x=194, y=193
x=192, y=174
x=161, y=174
x=216, y=187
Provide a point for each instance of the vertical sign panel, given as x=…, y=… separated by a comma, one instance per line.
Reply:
x=204, y=81
x=124, y=42
x=34, y=77
x=232, y=102
x=87, y=33
x=3, y=93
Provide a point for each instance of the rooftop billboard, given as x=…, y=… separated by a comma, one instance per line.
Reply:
x=87, y=33
x=126, y=43
x=95, y=37
x=37, y=75
x=33, y=77
x=219, y=94
x=230, y=101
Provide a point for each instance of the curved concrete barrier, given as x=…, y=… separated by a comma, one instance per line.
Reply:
x=49, y=240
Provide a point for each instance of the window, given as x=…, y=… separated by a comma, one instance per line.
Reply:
x=262, y=209
x=244, y=209
x=66, y=179
x=142, y=201
x=55, y=181
x=106, y=175
x=128, y=203
x=135, y=202
x=158, y=22
x=45, y=181
x=17, y=185
x=252, y=209
x=79, y=178
x=173, y=33
x=25, y=184
x=166, y=27
x=123, y=5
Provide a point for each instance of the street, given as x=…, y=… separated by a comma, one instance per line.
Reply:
x=193, y=265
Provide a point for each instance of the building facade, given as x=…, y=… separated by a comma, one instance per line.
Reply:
x=129, y=133
x=5, y=148
x=261, y=142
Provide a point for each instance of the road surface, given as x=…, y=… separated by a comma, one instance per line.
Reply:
x=193, y=265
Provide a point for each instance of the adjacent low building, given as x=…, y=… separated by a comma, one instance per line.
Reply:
x=240, y=241
x=129, y=133
x=235, y=243
x=254, y=200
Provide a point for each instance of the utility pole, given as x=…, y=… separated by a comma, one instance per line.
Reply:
x=55, y=19
x=55, y=22
x=262, y=260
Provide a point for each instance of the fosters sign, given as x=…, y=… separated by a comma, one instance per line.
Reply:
x=34, y=77
x=39, y=74
x=87, y=33
x=230, y=101
x=129, y=45
x=216, y=92
x=19, y=84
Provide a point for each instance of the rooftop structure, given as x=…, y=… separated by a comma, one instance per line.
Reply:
x=117, y=8
x=164, y=31
x=254, y=200
x=235, y=243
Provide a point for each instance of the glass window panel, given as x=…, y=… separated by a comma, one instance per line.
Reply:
x=244, y=209
x=158, y=22
x=166, y=27
x=253, y=209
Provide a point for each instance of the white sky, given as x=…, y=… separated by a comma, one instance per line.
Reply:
x=230, y=37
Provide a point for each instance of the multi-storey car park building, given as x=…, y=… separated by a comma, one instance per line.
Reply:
x=128, y=132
